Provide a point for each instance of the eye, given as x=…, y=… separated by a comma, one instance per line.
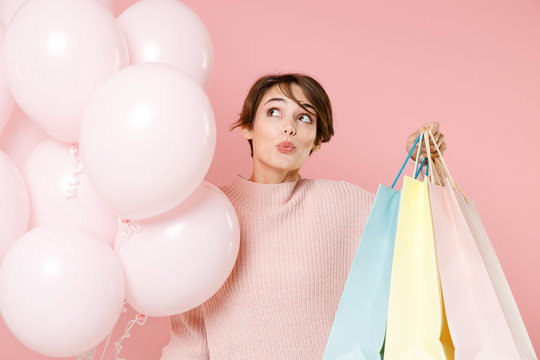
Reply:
x=273, y=112
x=304, y=118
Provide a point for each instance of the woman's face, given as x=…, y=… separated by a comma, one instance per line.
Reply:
x=283, y=133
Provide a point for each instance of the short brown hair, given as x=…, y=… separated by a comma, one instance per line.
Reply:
x=313, y=91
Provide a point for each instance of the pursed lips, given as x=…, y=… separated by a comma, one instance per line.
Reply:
x=286, y=147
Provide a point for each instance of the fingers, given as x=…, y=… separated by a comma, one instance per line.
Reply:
x=433, y=126
x=441, y=143
x=411, y=140
x=443, y=148
x=437, y=136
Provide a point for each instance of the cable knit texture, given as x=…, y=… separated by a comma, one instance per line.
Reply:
x=298, y=240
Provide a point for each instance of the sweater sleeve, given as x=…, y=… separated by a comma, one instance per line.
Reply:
x=188, y=337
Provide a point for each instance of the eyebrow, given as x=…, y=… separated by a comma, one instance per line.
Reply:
x=281, y=99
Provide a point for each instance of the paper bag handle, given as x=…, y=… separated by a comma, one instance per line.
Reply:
x=443, y=169
x=407, y=159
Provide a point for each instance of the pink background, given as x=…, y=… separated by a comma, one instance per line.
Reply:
x=390, y=66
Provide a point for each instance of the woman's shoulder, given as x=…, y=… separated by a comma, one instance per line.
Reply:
x=341, y=198
x=340, y=188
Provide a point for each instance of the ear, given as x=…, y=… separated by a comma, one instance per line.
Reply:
x=317, y=146
x=247, y=133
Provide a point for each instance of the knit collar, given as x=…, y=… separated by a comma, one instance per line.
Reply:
x=262, y=196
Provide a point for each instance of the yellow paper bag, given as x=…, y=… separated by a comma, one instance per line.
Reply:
x=416, y=327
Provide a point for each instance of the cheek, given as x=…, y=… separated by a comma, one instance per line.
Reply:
x=308, y=137
x=260, y=141
x=262, y=132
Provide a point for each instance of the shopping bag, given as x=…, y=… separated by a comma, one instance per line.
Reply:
x=416, y=327
x=483, y=318
x=495, y=271
x=502, y=289
x=360, y=321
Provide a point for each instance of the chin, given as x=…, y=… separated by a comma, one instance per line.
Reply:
x=281, y=161
x=289, y=167
x=282, y=165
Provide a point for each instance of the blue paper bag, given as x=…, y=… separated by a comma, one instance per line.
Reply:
x=360, y=321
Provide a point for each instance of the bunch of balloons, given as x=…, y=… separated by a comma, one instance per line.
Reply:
x=104, y=200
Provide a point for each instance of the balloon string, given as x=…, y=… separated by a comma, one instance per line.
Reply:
x=73, y=184
x=140, y=320
x=129, y=227
x=126, y=229
x=89, y=355
x=107, y=343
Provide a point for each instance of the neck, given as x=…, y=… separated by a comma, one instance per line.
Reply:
x=274, y=177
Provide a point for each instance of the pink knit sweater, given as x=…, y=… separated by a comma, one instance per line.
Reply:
x=298, y=240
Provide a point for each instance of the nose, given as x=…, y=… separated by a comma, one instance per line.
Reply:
x=289, y=128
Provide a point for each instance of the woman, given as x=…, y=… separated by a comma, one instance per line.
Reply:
x=298, y=236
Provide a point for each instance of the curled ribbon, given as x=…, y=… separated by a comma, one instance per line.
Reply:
x=89, y=355
x=126, y=228
x=73, y=184
x=140, y=319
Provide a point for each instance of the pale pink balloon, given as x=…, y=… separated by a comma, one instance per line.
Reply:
x=61, y=290
x=49, y=171
x=180, y=259
x=9, y=7
x=6, y=100
x=108, y=4
x=14, y=204
x=170, y=32
x=58, y=54
x=147, y=139
x=20, y=136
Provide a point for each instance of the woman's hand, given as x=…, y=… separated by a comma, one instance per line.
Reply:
x=439, y=138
